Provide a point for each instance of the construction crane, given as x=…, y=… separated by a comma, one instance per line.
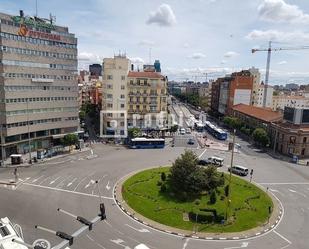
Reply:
x=269, y=50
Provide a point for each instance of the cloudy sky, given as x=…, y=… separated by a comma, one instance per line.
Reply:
x=190, y=37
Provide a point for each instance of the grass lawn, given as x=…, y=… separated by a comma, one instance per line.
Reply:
x=249, y=205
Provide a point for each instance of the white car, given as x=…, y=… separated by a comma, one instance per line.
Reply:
x=182, y=131
x=141, y=246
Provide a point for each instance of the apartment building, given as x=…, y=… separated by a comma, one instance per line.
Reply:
x=281, y=101
x=259, y=93
x=114, y=95
x=38, y=83
x=256, y=85
x=147, y=97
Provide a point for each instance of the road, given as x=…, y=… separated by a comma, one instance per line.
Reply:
x=69, y=184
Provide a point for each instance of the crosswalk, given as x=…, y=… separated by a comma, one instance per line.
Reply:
x=93, y=184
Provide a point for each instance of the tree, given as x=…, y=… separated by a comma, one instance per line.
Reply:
x=134, y=132
x=260, y=136
x=69, y=139
x=82, y=115
x=187, y=177
x=174, y=128
x=183, y=168
x=163, y=176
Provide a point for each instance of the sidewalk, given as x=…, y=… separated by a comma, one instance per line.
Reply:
x=7, y=162
x=273, y=221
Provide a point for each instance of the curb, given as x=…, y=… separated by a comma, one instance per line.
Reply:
x=263, y=231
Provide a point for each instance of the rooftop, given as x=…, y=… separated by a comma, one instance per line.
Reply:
x=265, y=114
x=153, y=75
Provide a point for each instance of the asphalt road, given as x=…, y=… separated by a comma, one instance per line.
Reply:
x=68, y=183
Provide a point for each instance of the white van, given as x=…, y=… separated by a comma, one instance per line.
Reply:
x=141, y=246
x=182, y=131
x=188, y=131
x=239, y=170
x=216, y=160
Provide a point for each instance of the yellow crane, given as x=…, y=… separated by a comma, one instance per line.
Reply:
x=269, y=50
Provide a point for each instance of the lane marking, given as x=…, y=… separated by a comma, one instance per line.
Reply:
x=107, y=186
x=282, y=237
x=276, y=191
x=202, y=153
x=53, y=181
x=294, y=191
x=45, y=180
x=186, y=243
x=61, y=183
x=36, y=179
x=83, y=180
x=67, y=191
x=142, y=230
x=70, y=183
x=243, y=245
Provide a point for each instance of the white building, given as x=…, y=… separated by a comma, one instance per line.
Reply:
x=259, y=96
x=280, y=101
x=114, y=92
x=256, y=84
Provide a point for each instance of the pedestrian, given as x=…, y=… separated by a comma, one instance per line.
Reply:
x=15, y=174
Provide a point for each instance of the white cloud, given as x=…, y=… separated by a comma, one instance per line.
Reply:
x=280, y=11
x=163, y=16
x=197, y=56
x=137, y=60
x=230, y=54
x=86, y=56
x=275, y=35
x=282, y=62
x=146, y=43
x=186, y=45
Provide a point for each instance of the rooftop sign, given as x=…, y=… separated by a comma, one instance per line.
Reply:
x=31, y=22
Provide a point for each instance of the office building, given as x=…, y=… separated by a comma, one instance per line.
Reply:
x=38, y=83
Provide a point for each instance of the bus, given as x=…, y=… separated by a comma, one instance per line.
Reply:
x=146, y=143
x=215, y=131
x=199, y=127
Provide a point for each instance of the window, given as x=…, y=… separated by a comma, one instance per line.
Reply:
x=109, y=105
x=123, y=77
x=109, y=86
x=109, y=96
x=305, y=140
x=123, y=87
x=121, y=105
x=109, y=77
x=122, y=96
x=121, y=114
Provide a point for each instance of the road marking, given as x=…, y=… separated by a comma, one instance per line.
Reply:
x=142, y=230
x=119, y=242
x=283, y=183
x=202, y=153
x=35, y=180
x=53, y=181
x=61, y=183
x=276, y=191
x=282, y=237
x=294, y=191
x=107, y=186
x=90, y=183
x=70, y=183
x=243, y=245
x=83, y=180
x=45, y=180
x=67, y=191
x=186, y=243
x=91, y=239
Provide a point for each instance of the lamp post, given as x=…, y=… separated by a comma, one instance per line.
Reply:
x=230, y=178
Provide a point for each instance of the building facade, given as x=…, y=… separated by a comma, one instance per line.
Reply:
x=114, y=95
x=38, y=83
x=147, y=97
x=282, y=101
x=258, y=96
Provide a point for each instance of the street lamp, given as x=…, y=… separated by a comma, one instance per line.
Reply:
x=230, y=177
x=29, y=141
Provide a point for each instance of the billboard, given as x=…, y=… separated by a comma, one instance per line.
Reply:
x=242, y=96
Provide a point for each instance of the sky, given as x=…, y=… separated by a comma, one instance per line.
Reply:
x=191, y=38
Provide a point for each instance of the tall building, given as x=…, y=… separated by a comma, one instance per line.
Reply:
x=282, y=101
x=147, y=96
x=95, y=70
x=256, y=85
x=38, y=83
x=114, y=94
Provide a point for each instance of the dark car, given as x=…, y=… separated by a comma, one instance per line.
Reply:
x=191, y=141
x=204, y=162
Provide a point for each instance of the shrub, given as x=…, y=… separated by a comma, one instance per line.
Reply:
x=163, y=188
x=213, y=197
x=226, y=190
x=159, y=183
x=163, y=176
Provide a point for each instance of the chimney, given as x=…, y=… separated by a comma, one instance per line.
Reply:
x=21, y=13
x=132, y=67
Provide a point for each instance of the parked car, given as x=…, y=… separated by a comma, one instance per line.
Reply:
x=191, y=141
x=239, y=170
x=188, y=131
x=204, y=162
x=216, y=161
x=182, y=131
